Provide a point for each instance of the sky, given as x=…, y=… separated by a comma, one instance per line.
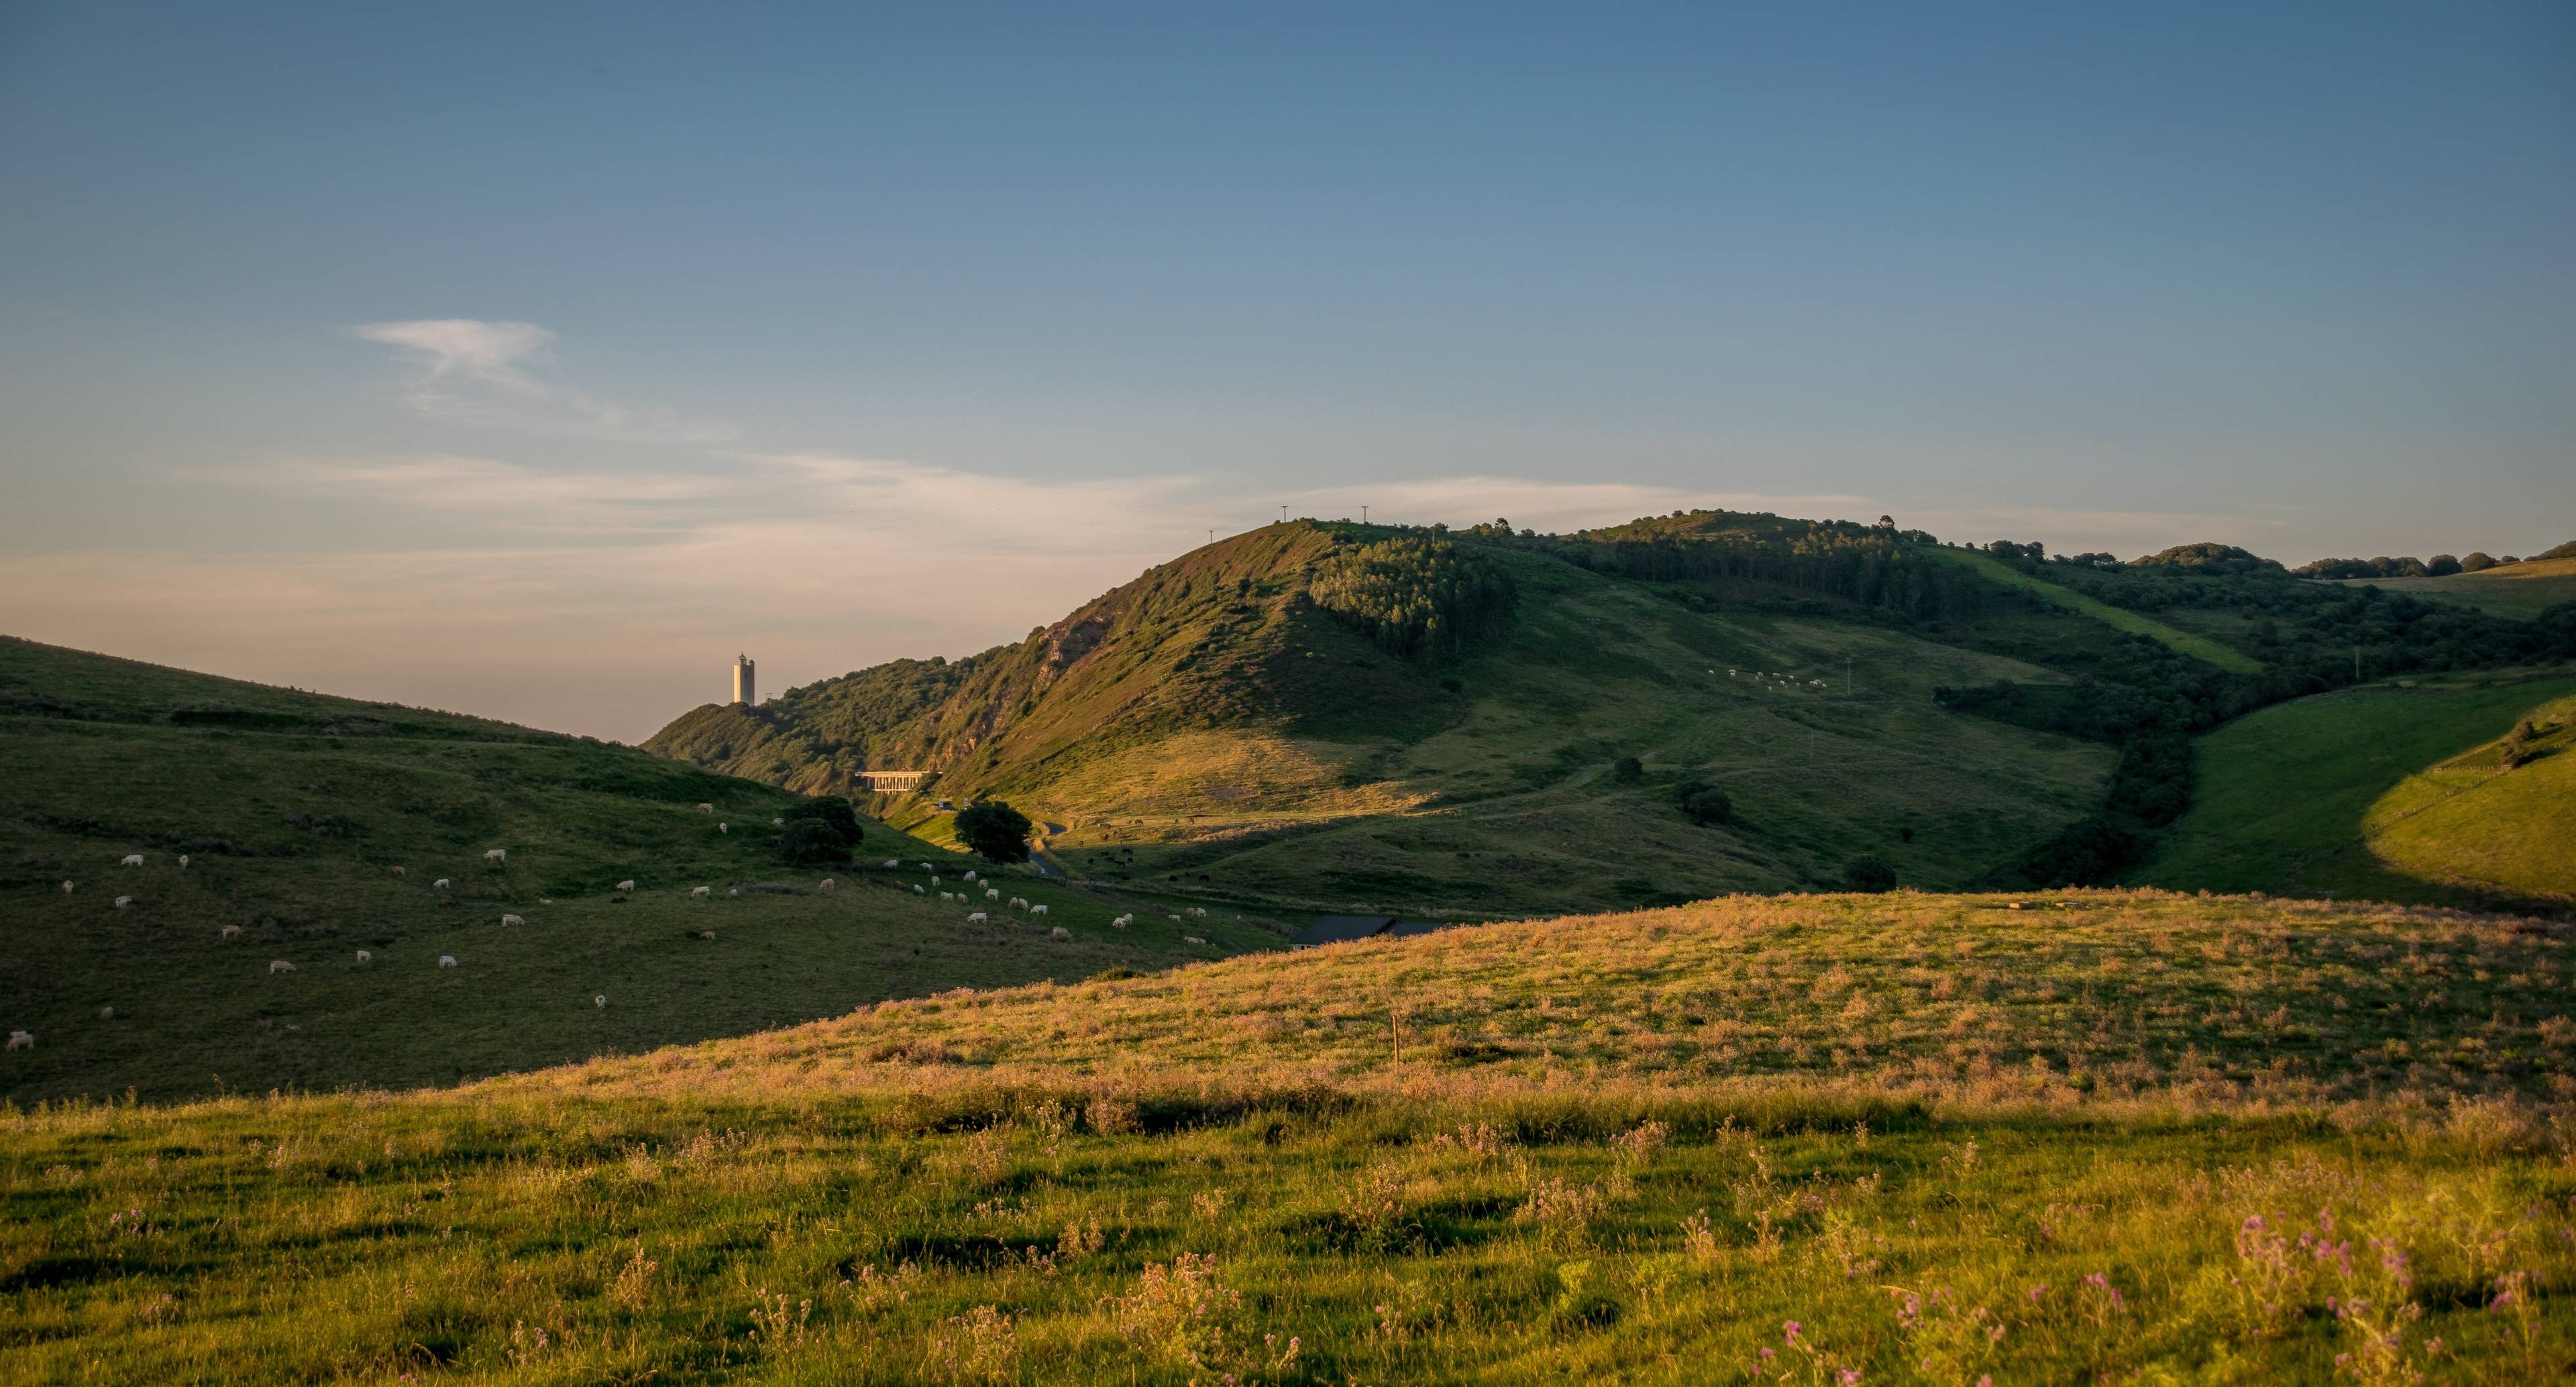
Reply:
x=533, y=361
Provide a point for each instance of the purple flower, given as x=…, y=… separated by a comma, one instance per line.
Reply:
x=1789, y=1332
x=2037, y=1291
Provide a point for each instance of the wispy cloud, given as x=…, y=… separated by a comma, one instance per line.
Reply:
x=476, y=368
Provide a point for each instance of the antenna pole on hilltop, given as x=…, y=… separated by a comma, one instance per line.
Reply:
x=1363, y=515
x=1283, y=515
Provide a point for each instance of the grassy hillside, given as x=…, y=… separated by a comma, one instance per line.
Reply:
x=2521, y=590
x=2290, y=799
x=293, y=810
x=2498, y=818
x=2180, y=641
x=2102, y=1137
x=1213, y=728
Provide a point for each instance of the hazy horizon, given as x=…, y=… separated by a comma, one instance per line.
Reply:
x=533, y=364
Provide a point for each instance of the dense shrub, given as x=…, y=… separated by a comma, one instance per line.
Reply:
x=1706, y=804
x=1627, y=770
x=832, y=812
x=813, y=843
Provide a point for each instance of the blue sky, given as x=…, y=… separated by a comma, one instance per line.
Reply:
x=532, y=359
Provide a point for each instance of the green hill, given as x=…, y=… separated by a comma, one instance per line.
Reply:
x=2522, y=590
x=2390, y=791
x=295, y=809
x=2098, y=1136
x=1429, y=721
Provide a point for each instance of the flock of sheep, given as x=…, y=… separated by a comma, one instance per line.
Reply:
x=26, y=1040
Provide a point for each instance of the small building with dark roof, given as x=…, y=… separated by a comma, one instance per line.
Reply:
x=1337, y=929
x=1407, y=929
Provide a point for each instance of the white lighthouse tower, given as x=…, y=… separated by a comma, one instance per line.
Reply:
x=742, y=690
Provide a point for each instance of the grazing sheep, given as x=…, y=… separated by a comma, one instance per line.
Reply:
x=67, y=888
x=970, y=876
x=706, y=934
x=976, y=918
x=124, y=901
x=826, y=886
x=1176, y=919
x=447, y=960
x=365, y=957
x=279, y=965
x=131, y=859
x=600, y=1001
x=1192, y=939
x=440, y=884
x=916, y=890
x=1019, y=902
x=1037, y=910
x=22, y=1040
x=777, y=823
x=732, y=891
x=706, y=809
x=925, y=866
x=720, y=828
x=397, y=871
x=230, y=931
x=1198, y=911
x=934, y=878
x=1060, y=935
x=183, y=864
x=947, y=895
x=992, y=894
x=892, y=863
x=497, y=855
x=107, y=1013
x=627, y=885
x=508, y=920
x=1121, y=922
x=702, y=892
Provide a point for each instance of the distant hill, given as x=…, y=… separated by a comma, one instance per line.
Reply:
x=1231, y=723
x=2523, y=590
x=294, y=809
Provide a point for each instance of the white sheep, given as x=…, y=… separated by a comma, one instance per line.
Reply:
x=396, y=871
x=732, y=891
x=67, y=888
x=976, y=918
x=22, y=1040
x=131, y=859
x=279, y=965
x=916, y=890
x=970, y=876
x=365, y=957
x=934, y=878
x=1192, y=939
x=600, y=1000
x=183, y=863
x=124, y=901
x=777, y=823
x=720, y=828
x=1199, y=911
x=706, y=808
x=947, y=895
x=992, y=894
x=826, y=886
x=706, y=934
x=1037, y=910
x=1019, y=902
x=626, y=885
x=702, y=892
x=925, y=866
x=1060, y=934
x=230, y=931
x=509, y=920
x=447, y=960
x=497, y=855
x=892, y=863
x=1121, y=922
x=1176, y=919
x=440, y=884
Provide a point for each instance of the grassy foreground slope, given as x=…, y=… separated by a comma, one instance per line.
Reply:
x=2105, y=1136
x=294, y=809
x=2293, y=799
x=2521, y=590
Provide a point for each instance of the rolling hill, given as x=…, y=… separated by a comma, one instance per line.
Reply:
x=2522, y=590
x=1315, y=716
x=2094, y=1136
x=293, y=811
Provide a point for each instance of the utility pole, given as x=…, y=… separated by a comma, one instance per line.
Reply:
x=1363, y=515
x=1283, y=515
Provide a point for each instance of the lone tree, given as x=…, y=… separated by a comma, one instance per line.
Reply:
x=1705, y=803
x=1869, y=872
x=995, y=830
x=820, y=833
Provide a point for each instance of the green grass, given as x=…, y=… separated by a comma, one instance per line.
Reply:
x=294, y=809
x=2522, y=590
x=2284, y=797
x=2479, y=822
x=2196, y=646
x=1917, y=1138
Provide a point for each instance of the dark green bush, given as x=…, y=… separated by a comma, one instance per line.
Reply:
x=1706, y=804
x=994, y=830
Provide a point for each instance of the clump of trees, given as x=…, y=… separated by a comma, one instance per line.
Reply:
x=820, y=832
x=1418, y=598
x=994, y=830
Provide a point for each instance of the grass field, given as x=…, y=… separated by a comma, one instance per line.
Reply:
x=2290, y=799
x=2522, y=590
x=2102, y=1137
x=2135, y=623
x=294, y=810
x=2480, y=822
